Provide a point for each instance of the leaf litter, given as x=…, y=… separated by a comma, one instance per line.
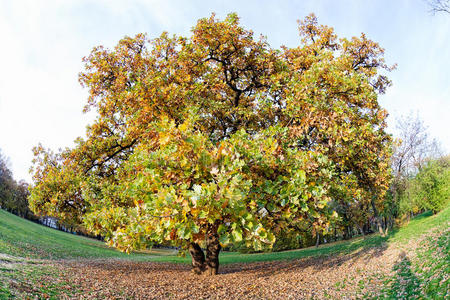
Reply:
x=349, y=276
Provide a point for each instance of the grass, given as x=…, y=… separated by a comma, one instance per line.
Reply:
x=30, y=279
x=425, y=274
x=420, y=225
x=23, y=238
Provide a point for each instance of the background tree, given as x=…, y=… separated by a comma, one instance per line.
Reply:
x=6, y=184
x=430, y=189
x=13, y=195
x=414, y=146
x=219, y=139
x=412, y=151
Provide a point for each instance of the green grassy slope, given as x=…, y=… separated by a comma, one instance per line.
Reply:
x=425, y=274
x=22, y=238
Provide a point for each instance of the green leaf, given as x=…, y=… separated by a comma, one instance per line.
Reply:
x=237, y=235
x=222, y=228
x=195, y=228
x=224, y=239
x=302, y=175
x=304, y=207
x=203, y=214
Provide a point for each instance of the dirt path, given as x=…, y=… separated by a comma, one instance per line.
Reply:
x=343, y=277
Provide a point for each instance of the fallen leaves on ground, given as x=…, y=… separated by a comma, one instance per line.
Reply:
x=355, y=275
x=320, y=277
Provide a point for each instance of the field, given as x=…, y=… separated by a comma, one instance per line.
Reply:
x=411, y=262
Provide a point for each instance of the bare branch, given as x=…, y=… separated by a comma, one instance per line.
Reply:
x=438, y=6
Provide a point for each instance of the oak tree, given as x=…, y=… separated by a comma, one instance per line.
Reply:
x=218, y=138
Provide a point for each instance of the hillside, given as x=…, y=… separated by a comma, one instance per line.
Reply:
x=411, y=261
x=23, y=238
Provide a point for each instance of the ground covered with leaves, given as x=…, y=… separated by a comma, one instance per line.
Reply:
x=319, y=277
x=411, y=263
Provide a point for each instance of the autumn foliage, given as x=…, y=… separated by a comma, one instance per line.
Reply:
x=218, y=138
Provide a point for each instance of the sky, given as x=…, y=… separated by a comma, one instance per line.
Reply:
x=43, y=42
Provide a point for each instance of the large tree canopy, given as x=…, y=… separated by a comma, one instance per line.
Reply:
x=218, y=138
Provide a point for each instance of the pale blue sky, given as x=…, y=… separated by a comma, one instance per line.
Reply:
x=42, y=43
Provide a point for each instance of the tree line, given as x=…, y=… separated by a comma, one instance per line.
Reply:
x=13, y=194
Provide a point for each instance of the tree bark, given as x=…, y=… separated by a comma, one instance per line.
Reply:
x=212, y=250
x=377, y=217
x=198, y=258
x=347, y=234
x=361, y=229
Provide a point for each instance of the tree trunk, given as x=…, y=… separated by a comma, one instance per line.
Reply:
x=318, y=240
x=212, y=250
x=198, y=258
x=335, y=235
x=347, y=233
x=377, y=217
x=361, y=229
